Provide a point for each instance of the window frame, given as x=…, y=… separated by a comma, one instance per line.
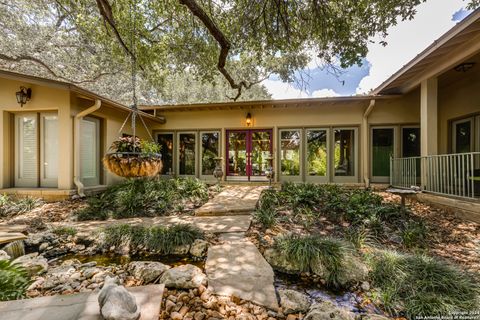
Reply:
x=328, y=175
x=200, y=153
x=298, y=177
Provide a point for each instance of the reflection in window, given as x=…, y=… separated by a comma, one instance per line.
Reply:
x=237, y=153
x=165, y=140
x=187, y=153
x=463, y=137
x=382, y=150
x=290, y=152
x=344, y=157
x=210, y=147
x=316, y=152
x=410, y=142
x=261, y=148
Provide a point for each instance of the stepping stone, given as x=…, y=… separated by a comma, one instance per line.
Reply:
x=238, y=269
x=82, y=306
x=231, y=237
x=233, y=200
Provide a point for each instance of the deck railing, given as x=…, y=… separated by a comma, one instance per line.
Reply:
x=447, y=174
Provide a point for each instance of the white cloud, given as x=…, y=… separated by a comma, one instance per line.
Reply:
x=407, y=39
x=324, y=93
x=282, y=90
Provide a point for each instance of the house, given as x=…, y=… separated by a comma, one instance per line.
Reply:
x=420, y=127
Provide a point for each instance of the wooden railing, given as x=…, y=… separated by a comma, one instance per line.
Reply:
x=448, y=174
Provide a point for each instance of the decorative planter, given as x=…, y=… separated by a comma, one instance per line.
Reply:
x=132, y=165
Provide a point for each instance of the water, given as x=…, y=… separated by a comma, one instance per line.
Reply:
x=352, y=301
x=111, y=258
x=15, y=249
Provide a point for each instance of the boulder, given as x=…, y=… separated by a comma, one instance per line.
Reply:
x=293, y=301
x=281, y=263
x=199, y=248
x=371, y=316
x=183, y=277
x=116, y=303
x=353, y=271
x=90, y=272
x=147, y=271
x=4, y=255
x=326, y=310
x=181, y=250
x=33, y=263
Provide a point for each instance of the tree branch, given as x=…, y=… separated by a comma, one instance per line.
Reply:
x=223, y=42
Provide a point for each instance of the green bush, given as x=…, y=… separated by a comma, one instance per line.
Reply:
x=143, y=197
x=414, y=234
x=156, y=239
x=14, y=281
x=65, y=231
x=307, y=250
x=266, y=217
x=421, y=285
x=359, y=236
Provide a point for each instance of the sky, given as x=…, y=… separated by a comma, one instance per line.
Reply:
x=405, y=40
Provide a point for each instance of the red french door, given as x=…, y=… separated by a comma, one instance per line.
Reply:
x=248, y=151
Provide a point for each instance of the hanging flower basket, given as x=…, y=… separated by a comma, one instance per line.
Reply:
x=133, y=158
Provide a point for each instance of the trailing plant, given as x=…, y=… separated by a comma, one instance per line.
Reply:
x=421, y=285
x=14, y=281
x=156, y=239
x=308, y=250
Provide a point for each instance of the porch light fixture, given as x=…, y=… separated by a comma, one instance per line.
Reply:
x=23, y=95
x=248, y=120
x=464, y=67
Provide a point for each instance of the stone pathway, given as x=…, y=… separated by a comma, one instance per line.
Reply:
x=82, y=306
x=233, y=200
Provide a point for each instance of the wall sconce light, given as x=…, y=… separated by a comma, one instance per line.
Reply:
x=464, y=67
x=23, y=95
x=248, y=120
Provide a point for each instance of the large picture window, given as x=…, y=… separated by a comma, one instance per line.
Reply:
x=187, y=153
x=317, y=152
x=344, y=152
x=210, y=151
x=165, y=140
x=290, y=161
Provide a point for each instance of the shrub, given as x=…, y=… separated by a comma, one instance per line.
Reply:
x=422, y=285
x=157, y=238
x=26, y=204
x=14, y=281
x=266, y=217
x=359, y=236
x=306, y=250
x=65, y=231
x=414, y=234
x=143, y=197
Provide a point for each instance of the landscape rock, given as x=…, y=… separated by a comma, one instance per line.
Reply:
x=326, y=310
x=353, y=271
x=33, y=263
x=181, y=250
x=293, y=301
x=183, y=277
x=116, y=303
x=4, y=255
x=199, y=248
x=147, y=271
x=280, y=263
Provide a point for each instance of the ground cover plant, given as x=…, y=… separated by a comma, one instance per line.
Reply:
x=159, y=239
x=421, y=285
x=11, y=206
x=144, y=197
x=14, y=281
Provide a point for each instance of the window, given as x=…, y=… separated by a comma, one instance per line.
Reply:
x=463, y=135
x=410, y=142
x=210, y=151
x=317, y=155
x=90, y=151
x=165, y=140
x=382, y=150
x=344, y=152
x=36, y=150
x=290, y=142
x=187, y=153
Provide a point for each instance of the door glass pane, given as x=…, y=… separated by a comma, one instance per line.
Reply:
x=316, y=152
x=410, y=142
x=88, y=150
x=261, y=148
x=165, y=140
x=382, y=150
x=344, y=158
x=50, y=144
x=290, y=152
x=237, y=153
x=210, y=148
x=187, y=153
x=463, y=137
x=28, y=148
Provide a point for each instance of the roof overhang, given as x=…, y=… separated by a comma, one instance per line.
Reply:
x=455, y=46
x=263, y=104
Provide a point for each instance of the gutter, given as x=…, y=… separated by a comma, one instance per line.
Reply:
x=366, y=145
x=76, y=145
